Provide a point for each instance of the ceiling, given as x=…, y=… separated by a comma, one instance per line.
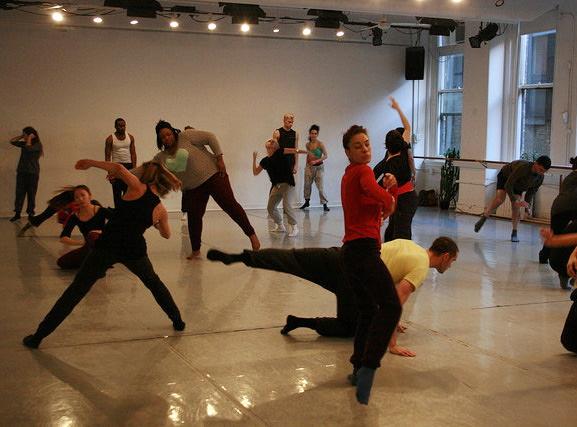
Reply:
x=479, y=10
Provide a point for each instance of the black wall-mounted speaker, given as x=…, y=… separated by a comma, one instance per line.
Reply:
x=415, y=63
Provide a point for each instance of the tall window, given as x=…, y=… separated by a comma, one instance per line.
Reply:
x=535, y=94
x=450, y=98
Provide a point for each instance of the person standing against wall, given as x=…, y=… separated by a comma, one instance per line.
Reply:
x=28, y=170
x=315, y=170
x=119, y=148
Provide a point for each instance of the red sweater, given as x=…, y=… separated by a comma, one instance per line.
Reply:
x=363, y=203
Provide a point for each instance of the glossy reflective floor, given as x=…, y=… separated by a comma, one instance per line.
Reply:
x=486, y=335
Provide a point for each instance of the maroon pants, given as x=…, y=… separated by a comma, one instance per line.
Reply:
x=194, y=202
x=73, y=260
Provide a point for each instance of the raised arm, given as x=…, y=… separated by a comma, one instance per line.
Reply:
x=406, y=124
x=108, y=149
x=115, y=170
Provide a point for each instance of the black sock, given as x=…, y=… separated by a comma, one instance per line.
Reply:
x=31, y=341
x=178, y=325
x=216, y=255
x=293, y=322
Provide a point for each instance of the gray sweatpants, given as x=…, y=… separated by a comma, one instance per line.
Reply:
x=316, y=174
x=284, y=192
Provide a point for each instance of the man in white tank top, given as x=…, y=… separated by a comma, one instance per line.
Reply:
x=119, y=148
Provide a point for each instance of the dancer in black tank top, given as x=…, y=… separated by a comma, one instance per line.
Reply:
x=122, y=241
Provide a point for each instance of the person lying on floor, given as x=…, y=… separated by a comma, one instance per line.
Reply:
x=407, y=262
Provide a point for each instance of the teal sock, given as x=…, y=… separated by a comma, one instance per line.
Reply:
x=365, y=377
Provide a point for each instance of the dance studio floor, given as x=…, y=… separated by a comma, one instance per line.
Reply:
x=486, y=335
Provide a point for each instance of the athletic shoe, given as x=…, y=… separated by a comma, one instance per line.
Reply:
x=278, y=228
x=15, y=218
x=326, y=208
x=480, y=223
x=294, y=231
x=514, y=237
x=305, y=204
x=564, y=282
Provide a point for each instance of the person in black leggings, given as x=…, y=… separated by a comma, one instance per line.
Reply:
x=564, y=208
x=122, y=241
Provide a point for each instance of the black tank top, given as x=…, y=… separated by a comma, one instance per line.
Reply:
x=123, y=234
x=287, y=139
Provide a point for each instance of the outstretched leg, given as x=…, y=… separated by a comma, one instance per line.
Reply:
x=94, y=268
x=143, y=269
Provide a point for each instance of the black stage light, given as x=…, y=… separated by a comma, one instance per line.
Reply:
x=243, y=13
x=377, y=36
x=439, y=26
x=183, y=9
x=328, y=18
x=485, y=34
x=136, y=8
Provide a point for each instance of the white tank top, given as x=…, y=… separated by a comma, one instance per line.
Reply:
x=121, y=149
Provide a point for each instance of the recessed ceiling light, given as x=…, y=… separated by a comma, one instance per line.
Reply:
x=340, y=33
x=174, y=24
x=307, y=31
x=211, y=26
x=57, y=16
x=97, y=20
x=245, y=28
x=134, y=22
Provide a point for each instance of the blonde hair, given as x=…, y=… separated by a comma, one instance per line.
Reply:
x=288, y=116
x=154, y=173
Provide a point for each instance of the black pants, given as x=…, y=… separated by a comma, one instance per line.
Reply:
x=558, y=223
x=321, y=266
x=119, y=187
x=569, y=334
x=401, y=220
x=26, y=187
x=558, y=257
x=94, y=268
x=379, y=305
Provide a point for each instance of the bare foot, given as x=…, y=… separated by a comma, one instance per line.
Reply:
x=254, y=242
x=194, y=255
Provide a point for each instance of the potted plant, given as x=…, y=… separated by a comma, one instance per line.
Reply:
x=449, y=186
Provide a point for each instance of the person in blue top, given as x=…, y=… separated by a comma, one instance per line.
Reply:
x=121, y=241
x=28, y=170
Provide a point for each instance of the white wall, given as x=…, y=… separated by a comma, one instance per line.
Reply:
x=72, y=84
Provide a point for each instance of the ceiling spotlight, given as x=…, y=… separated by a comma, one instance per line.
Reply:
x=174, y=24
x=97, y=20
x=211, y=26
x=456, y=1
x=243, y=13
x=340, y=33
x=485, y=34
x=133, y=22
x=276, y=29
x=307, y=31
x=245, y=28
x=57, y=17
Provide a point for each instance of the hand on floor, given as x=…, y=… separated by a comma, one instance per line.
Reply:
x=402, y=351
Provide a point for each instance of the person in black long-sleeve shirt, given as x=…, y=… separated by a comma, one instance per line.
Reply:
x=514, y=179
x=28, y=171
x=399, y=163
x=90, y=219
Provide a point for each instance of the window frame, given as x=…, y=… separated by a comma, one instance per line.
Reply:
x=523, y=87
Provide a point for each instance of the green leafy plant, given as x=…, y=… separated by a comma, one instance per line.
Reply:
x=449, y=186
